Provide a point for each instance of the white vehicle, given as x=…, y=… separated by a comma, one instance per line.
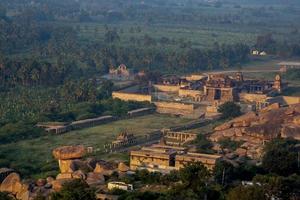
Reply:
x=120, y=185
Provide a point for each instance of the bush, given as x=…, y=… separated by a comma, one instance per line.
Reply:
x=246, y=193
x=227, y=143
x=5, y=196
x=14, y=132
x=77, y=189
x=281, y=157
x=230, y=110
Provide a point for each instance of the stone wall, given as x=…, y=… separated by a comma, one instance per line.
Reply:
x=166, y=88
x=207, y=160
x=144, y=158
x=174, y=108
x=131, y=96
x=190, y=93
x=195, y=77
x=284, y=100
x=253, y=97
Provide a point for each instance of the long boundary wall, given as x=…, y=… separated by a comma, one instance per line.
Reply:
x=167, y=88
x=190, y=93
x=174, y=108
x=253, y=97
x=285, y=100
x=131, y=96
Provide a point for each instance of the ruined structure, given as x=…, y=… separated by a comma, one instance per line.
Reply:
x=153, y=159
x=164, y=159
x=220, y=87
x=125, y=139
x=120, y=72
x=173, y=138
x=215, y=89
x=285, y=66
x=207, y=160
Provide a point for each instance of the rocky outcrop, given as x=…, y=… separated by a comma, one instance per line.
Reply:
x=122, y=167
x=270, y=123
x=69, y=159
x=95, y=179
x=12, y=184
x=69, y=152
x=255, y=128
x=104, y=168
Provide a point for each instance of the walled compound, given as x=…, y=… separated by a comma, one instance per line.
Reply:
x=197, y=95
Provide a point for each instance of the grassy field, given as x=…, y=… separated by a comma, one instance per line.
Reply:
x=34, y=156
x=200, y=36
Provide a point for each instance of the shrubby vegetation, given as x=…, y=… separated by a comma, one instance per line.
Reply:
x=4, y=196
x=281, y=157
x=76, y=189
x=229, y=110
x=13, y=132
x=293, y=75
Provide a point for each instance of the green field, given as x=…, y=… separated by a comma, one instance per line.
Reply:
x=33, y=157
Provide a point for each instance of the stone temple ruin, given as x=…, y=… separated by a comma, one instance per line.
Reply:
x=199, y=95
x=218, y=87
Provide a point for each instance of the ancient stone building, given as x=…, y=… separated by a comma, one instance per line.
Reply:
x=173, y=138
x=120, y=73
x=207, y=160
x=153, y=159
x=164, y=159
x=220, y=87
x=125, y=139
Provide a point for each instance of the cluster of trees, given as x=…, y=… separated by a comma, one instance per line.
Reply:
x=277, y=47
x=229, y=110
x=174, y=60
x=167, y=12
x=13, y=132
x=292, y=74
x=31, y=72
